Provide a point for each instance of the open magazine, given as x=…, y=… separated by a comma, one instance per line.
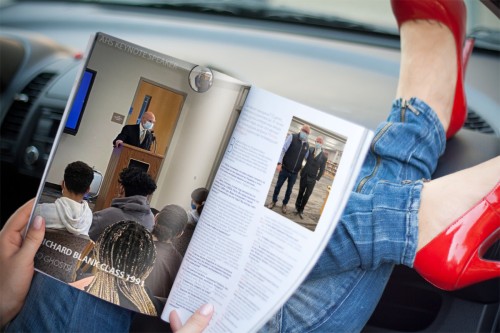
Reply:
x=211, y=131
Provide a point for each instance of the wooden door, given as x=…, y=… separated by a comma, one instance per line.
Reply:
x=165, y=103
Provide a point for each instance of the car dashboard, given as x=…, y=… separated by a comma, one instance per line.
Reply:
x=346, y=72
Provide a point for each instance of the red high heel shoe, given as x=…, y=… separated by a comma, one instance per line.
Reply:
x=451, y=13
x=453, y=259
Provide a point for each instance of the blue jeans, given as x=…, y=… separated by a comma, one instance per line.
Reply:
x=378, y=228
x=53, y=306
x=282, y=177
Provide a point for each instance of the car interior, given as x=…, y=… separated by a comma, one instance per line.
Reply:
x=338, y=65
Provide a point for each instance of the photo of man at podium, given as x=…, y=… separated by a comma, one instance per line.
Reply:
x=138, y=135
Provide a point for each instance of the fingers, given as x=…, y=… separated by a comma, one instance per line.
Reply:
x=196, y=323
x=175, y=321
x=33, y=238
x=17, y=259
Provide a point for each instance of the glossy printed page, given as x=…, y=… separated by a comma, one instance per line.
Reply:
x=142, y=130
x=249, y=254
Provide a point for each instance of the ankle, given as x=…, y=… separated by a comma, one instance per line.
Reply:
x=428, y=66
x=462, y=190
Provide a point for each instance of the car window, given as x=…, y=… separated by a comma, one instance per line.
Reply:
x=367, y=15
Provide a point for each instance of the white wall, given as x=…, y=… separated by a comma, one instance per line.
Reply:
x=197, y=136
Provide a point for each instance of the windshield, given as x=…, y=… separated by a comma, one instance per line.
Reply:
x=482, y=22
x=378, y=12
x=362, y=15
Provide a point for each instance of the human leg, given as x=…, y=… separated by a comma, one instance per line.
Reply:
x=451, y=15
x=343, y=302
x=282, y=176
x=380, y=221
x=292, y=177
x=300, y=195
x=357, y=228
x=338, y=304
x=307, y=194
x=454, y=258
x=434, y=216
x=53, y=306
x=367, y=242
x=446, y=95
x=416, y=69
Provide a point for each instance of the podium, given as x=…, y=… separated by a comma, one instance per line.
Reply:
x=122, y=157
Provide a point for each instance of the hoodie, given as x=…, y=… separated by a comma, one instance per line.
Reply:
x=135, y=207
x=65, y=213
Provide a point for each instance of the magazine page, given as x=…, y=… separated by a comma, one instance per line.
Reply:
x=250, y=251
x=92, y=181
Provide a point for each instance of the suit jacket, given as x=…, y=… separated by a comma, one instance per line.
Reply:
x=130, y=134
x=315, y=166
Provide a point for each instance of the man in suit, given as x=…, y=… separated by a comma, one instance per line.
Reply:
x=310, y=174
x=138, y=135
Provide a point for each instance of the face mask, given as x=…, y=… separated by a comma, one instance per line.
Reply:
x=318, y=145
x=148, y=125
x=193, y=205
x=302, y=136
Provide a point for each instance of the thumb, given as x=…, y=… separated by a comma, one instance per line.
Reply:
x=33, y=239
x=198, y=321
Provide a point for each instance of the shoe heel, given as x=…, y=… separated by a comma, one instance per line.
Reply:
x=453, y=259
x=480, y=269
x=467, y=51
x=459, y=112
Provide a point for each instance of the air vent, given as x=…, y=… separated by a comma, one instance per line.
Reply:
x=46, y=130
x=476, y=123
x=18, y=111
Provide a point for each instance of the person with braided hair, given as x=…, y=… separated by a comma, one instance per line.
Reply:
x=396, y=216
x=171, y=222
x=34, y=302
x=126, y=254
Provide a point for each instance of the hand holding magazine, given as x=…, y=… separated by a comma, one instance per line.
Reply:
x=212, y=131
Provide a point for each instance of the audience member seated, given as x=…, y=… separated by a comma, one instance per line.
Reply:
x=132, y=203
x=198, y=198
x=170, y=224
x=181, y=243
x=126, y=255
x=70, y=211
